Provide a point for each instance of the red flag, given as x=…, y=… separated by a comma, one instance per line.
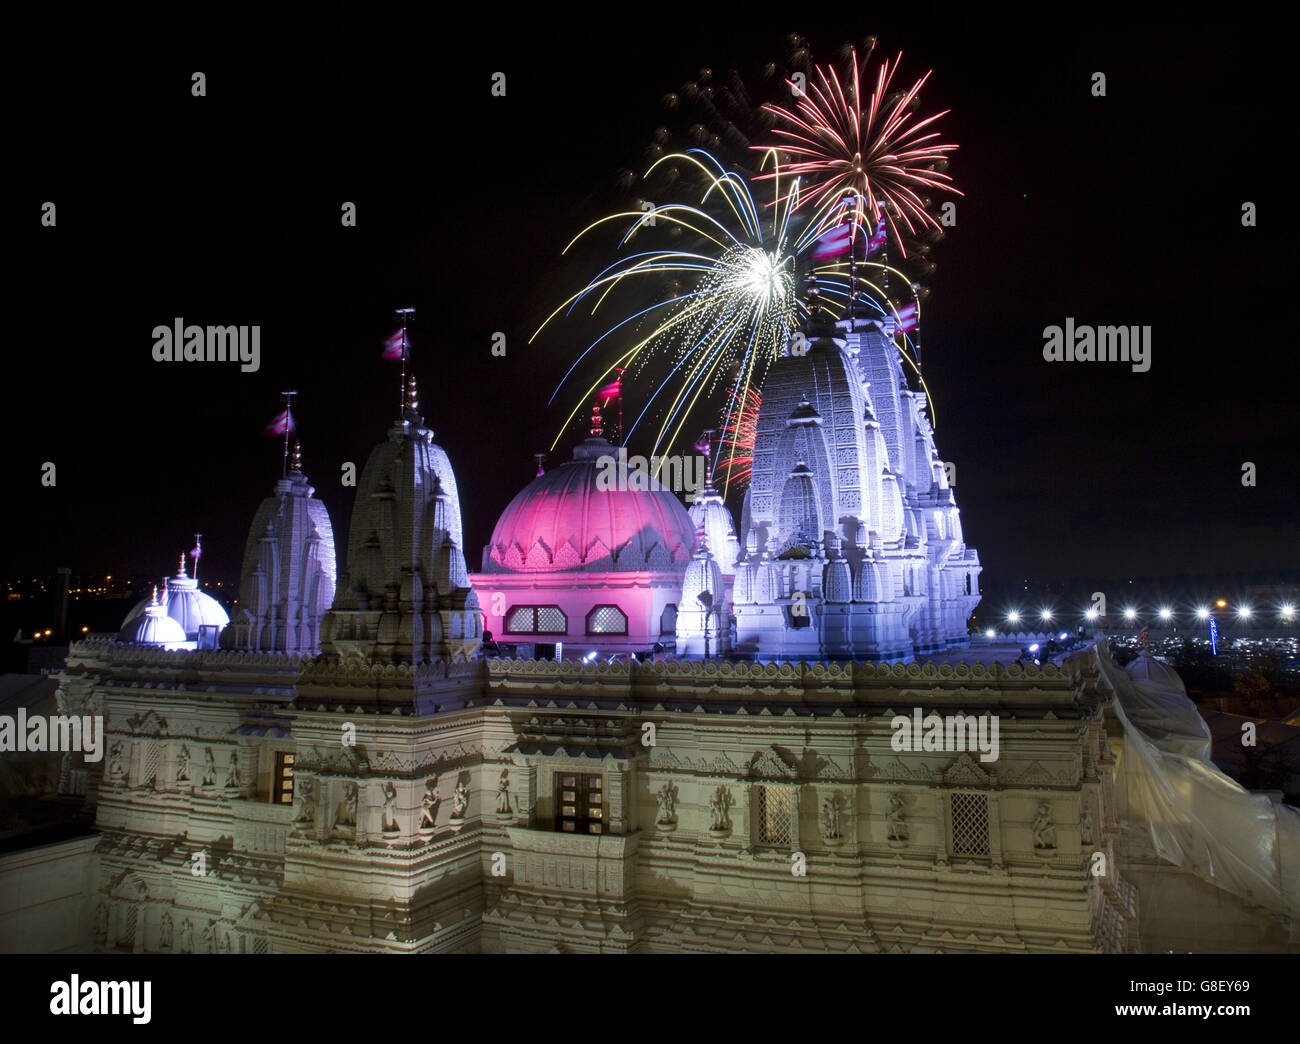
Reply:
x=197, y=553
x=609, y=392
x=906, y=318
x=834, y=241
x=393, y=345
x=703, y=446
x=1142, y=635
x=282, y=425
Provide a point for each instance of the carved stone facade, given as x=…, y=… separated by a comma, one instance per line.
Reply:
x=398, y=837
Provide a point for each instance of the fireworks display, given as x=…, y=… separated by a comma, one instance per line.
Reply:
x=729, y=309
x=877, y=153
x=707, y=288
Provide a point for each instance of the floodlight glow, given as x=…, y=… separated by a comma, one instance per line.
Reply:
x=1166, y=613
x=1046, y=614
x=1130, y=614
x=1091, y=614
x=1014, y=616
x=1244, y=612
x=989, y=633
x=1288, y=610
x=1202, y=613
x=1034, y=647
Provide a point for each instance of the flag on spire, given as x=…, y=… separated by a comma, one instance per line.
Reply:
x=610, y=392
x=282, y=424
x=394, y=346
x=906, y=318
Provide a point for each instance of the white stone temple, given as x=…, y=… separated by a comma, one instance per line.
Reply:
x=353, y=774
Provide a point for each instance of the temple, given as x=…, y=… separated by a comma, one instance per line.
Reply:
x=639, y=727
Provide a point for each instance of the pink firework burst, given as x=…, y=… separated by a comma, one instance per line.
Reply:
x=738, y=433
x=878, y=152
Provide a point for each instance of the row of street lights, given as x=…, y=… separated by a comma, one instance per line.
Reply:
x=1285, y=612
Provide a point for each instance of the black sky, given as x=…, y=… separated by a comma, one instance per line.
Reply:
x=1123, y=210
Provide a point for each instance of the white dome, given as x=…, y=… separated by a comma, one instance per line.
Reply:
x=153, y=627
x=1146, y=669
x=710, y=513
x=191, y=608
x=186, y=605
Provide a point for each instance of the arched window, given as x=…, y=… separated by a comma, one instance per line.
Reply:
x=607, y=619
x=536, y=619
x=668, y=620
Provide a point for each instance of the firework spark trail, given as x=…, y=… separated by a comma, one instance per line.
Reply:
x=880, y=154
x=740, y=314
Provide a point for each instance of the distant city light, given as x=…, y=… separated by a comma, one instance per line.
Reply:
x=1130, y=614
x=1221, y=603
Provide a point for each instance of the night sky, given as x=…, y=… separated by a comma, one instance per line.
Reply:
x=225, y=209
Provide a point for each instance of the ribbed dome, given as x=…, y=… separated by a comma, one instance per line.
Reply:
x=153, y=627
x=186, y=605
x=564, y=520
x=1159, y=676
x=710, y=512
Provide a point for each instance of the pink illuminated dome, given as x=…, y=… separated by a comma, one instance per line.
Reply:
x=563, y=520
x=580, y=566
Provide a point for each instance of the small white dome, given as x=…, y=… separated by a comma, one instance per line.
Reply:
x=153, y=627
x=191, y=608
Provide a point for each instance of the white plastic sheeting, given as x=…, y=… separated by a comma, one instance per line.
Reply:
x=1197, y=818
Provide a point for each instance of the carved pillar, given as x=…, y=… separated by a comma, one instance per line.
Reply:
x=617, y=799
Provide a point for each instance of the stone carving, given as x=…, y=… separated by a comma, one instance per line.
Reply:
x=719, y=803
x=667, y=798
x=1044, y=830
x=101, y=921
x=390, y=825
x=232, y=771
x=460, y=802
x=429, y=805
x=223, y=941
x=830, y=818
x=165, y=932
x=503, y=795
x=345, y=818
x=1085, y=823
x=209, y=768
x=306, y=813
x=206, y=938
x=187, y=936
x=183, y=764
x=895, y=822
x=116, y=768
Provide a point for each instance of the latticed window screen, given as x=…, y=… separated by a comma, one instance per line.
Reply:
x=152, y=763
x=551, y=620
x=774, y=815
x=970, y=824
x=536, y=619
x=606, y=619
